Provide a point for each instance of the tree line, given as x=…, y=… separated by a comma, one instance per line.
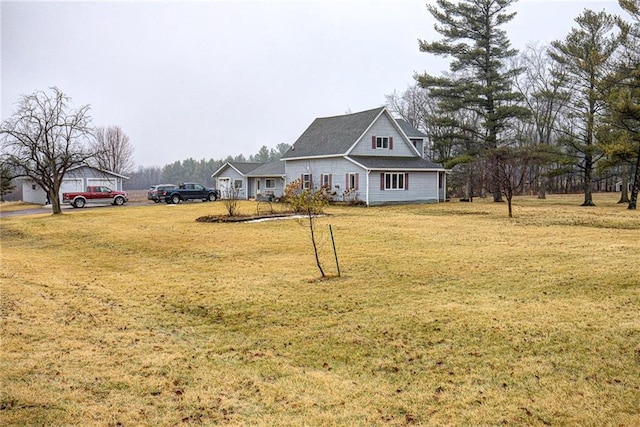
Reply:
x=561, y=118
x=196, y=170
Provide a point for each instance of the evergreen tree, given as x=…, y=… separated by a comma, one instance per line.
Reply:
x=6, y=178
x=585, y=55
x=480, y=81
x=623, y=102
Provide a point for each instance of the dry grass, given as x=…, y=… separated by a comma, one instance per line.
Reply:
x=446, y=314
x=17, y=206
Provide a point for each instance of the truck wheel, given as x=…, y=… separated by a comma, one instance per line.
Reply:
x=118, y=201
x=79, y=203
x=212, y=197
x=175, y=199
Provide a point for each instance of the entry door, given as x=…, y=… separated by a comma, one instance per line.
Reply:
x=224, y=184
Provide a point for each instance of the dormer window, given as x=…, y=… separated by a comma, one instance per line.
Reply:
x=382, y=142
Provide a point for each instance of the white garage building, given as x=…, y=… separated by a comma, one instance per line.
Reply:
x=76, y=179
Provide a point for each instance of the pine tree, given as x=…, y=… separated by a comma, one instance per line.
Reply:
x=481, y=81
x=623, y=101
x=585, y=55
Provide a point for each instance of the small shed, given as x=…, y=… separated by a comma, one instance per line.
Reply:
x=76, y=179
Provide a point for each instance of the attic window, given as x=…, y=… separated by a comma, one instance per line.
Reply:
x=382, y=142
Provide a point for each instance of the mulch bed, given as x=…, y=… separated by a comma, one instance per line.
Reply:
x=243, y=218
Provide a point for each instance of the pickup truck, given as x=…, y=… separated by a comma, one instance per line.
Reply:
x=95, y=194
x=190, y=191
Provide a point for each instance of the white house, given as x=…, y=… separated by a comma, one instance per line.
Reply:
x=251, y=180
x=368, y=156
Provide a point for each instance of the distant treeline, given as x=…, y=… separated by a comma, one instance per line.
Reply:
x=196, y=170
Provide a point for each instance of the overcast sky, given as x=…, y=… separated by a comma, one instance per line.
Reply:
x=208, y=79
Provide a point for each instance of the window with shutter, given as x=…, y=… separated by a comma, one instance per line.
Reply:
x=352, y=181
x=325, y=180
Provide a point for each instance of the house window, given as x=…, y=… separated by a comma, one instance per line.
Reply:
x=382, y=142
x=352, y=181
x=237, y=183
x=270, y=184
x=258, y=185
x=306, y=181
x=325, y=180
x=394, y=181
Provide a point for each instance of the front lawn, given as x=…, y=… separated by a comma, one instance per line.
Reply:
x=445, y=314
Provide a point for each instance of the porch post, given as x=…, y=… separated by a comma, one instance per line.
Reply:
x=367, y=192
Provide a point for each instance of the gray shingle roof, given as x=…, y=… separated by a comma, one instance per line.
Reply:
x=269, y=169
x=404, y=163
x=244, y=167
x=409, y=130
x=332, y=135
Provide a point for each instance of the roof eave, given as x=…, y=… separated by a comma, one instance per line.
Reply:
x=324, y=156
x=355, y=143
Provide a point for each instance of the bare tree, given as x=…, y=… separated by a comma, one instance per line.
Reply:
x=412, y=105
x=310, y=203
x=46, y=137
x=113, y=150
x=512, y=171
x=230, y=198
x=543, y=85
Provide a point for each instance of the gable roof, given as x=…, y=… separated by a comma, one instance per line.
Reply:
x=103, y=171
x=409, y=130
x=332, y=135
x=268, y=169
x=242, y=168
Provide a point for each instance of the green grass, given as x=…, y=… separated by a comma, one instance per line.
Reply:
x=447, y=314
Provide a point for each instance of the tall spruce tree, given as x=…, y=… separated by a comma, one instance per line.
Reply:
x=481, y=80
x=585, y=55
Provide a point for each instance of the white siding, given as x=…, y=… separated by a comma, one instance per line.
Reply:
x=337, y=167
x=74, y=180
x=232, y=175
x=423, y=187
x=32, y=193
x=277, y=191
x=104, y=182
x=382, y=127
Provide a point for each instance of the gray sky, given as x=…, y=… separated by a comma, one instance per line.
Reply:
x=207, y=79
